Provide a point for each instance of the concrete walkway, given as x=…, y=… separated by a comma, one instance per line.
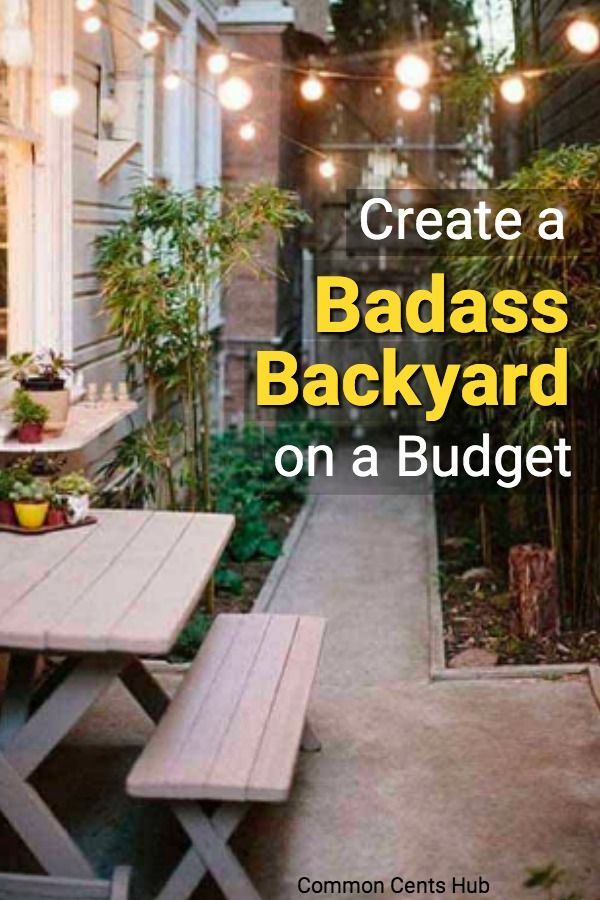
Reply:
x=416, y=779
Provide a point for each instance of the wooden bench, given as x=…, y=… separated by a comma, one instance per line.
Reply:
x=232, y=734
x=43, y=888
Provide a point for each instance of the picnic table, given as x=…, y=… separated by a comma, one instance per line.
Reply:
x=98, y=599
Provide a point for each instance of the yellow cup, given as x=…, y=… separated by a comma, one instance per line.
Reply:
x=31, y=515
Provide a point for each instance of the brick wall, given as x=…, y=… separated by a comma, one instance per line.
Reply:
x=250, y=306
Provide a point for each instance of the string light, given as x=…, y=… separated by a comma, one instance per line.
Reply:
x=235, y=94
x=312, y=88
x=513, y=89
x=171, y=81
x=84, y=5
x=583, y=36
x=409, y=99
x=412, y=71
x=92, y=24
x=218, y=62
x=327, y=168
x=149, y=38
x=64, y=100
x=248, y=131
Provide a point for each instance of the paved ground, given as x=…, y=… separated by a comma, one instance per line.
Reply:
x=416, y=779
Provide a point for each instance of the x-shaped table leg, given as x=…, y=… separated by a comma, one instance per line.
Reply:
x=209, y=852
x=24, y=748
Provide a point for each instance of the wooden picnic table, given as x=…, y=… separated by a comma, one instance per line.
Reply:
x=100, y=598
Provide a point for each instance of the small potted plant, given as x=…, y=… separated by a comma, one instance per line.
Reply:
x=31, y=503
x=7, y=513
x=57, y=512
x=44, y=374
x=74, y=491
x=28, y=416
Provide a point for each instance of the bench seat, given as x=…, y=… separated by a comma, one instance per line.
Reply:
x=234, y=729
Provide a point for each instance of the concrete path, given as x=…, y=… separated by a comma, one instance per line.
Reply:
x=416, y=779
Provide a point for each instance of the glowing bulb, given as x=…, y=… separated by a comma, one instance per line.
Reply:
x=218, y=62
x=92, y=24
x=149, y=38
x=85, y=5
x=312, y=88
x=235, y=94
x=513, y=89
x=327, y=168
x=248, y=131
x=64, y=100
x=583, y=36
x=171, y=81
x=412, y=71
x=409, y=99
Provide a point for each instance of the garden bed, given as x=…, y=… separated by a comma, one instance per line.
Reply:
x=477, y=610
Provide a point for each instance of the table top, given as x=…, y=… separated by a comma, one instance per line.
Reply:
x=125, y=585
x=85, y=424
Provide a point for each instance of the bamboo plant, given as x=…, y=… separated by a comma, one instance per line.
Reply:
x=161, y=270
x=569, y=178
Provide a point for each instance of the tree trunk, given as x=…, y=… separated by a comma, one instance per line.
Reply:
x=533, y=585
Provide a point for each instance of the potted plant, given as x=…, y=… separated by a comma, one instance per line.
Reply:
x=57, y=512
x=7, y=513
x=44, y=374
x=31, y=503
x=28, y=416
x=74, y=491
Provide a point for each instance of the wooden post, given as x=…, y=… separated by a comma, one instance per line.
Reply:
x=533, y=585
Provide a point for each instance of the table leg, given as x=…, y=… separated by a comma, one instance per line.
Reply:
x=28, y=746
x=144, y=687
x=14, y=708
x=46, y=728
x=41, y=832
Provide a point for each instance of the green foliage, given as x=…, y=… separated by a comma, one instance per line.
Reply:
x=7, y=480
x=373, y=24
x=569, y=178
x=74, y=483
x=26, y=411
x=547, y=878
x=160, y=269
x=35, y=491
x=228, y=580
x=192, y=635
x=46, y=364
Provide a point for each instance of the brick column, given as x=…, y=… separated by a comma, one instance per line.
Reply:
x=250, y=307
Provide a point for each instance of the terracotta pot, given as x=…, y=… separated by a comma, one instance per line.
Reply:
x=7, y=513
x=56, y=517
x=30, y=433
x=57, y=404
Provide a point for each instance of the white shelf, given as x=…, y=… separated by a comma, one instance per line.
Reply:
x=86, y=423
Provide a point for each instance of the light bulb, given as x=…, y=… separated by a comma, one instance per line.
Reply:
x=412, y=71
x=64, y=100
x=312, y=88
x=513, y=89
x=583, y=36
x=92, y=24
x=409, y=99
x=218, y=62
x=327, y=168
x=248, y=131
x=149, y=38
x=85, y=5
x=235, y=94
x=171, y=81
